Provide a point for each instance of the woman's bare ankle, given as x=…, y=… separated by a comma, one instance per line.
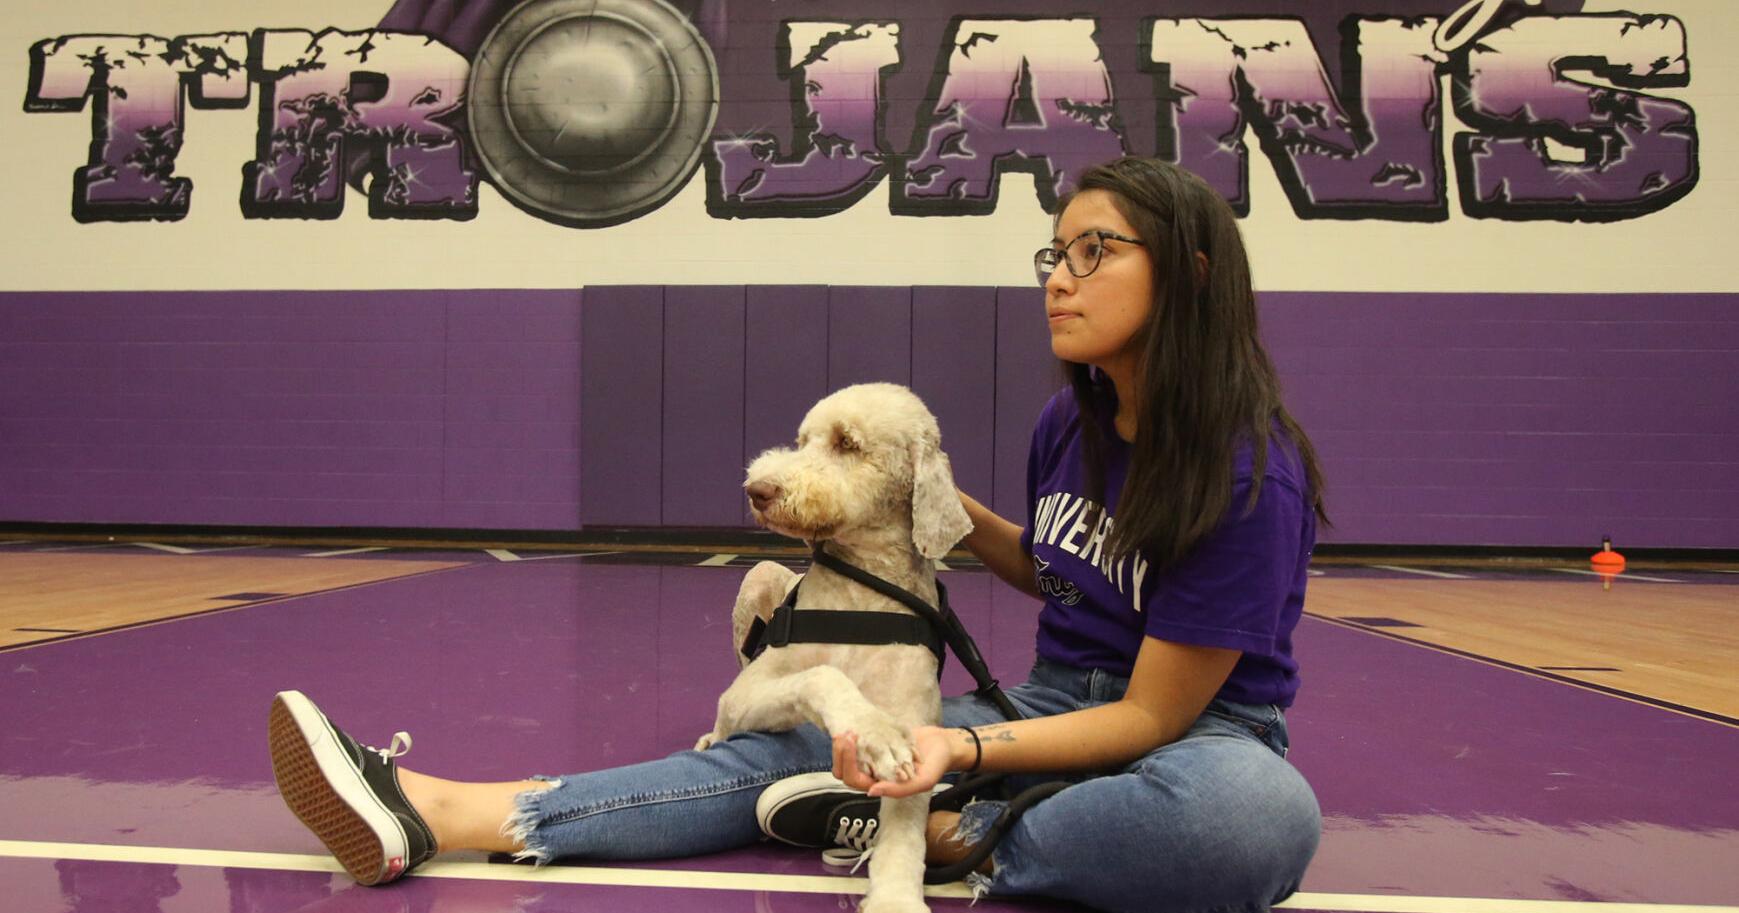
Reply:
x=425, y=796
x=467, y=816
x=942, y=845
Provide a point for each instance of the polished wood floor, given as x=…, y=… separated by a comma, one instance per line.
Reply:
x=50, y=596
x=1676, y=643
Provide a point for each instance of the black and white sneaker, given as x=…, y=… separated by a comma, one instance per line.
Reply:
x=346, y=793
x=820, y=812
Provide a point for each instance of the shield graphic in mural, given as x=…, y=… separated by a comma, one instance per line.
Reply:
x=591, y=112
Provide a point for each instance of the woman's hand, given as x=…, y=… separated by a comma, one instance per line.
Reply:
x=933, y=747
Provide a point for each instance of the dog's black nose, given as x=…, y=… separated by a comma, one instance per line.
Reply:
x=762, y=494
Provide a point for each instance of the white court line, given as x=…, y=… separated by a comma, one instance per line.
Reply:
x=1625, y=575
x=1383, y=903
x=1421, y=571
x=171, y=549
x=345, y=551
x=501, y=554
x=481, y=871
x=15, y=542
x=180, y=550
x=760, y=881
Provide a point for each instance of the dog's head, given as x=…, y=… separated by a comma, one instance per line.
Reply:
x=868, y=458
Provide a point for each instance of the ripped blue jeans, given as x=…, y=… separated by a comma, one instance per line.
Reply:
x=1217, y=820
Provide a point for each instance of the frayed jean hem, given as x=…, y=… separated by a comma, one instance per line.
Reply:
x=973, y=826
x=521, y=826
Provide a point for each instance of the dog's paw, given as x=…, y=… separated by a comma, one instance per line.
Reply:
x=707, y=741
x=884, y=751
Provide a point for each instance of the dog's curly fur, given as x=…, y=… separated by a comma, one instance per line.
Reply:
x=867, y=475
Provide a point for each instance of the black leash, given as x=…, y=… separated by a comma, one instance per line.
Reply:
x=942, y=617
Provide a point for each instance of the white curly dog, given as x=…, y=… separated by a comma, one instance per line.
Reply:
x=869, y=477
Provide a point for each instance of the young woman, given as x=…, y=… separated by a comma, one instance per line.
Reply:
x=1172, y=508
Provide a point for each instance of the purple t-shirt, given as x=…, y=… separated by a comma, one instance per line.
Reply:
x=1241, y=587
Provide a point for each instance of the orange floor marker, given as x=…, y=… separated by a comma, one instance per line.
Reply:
x=1606, y=562
x=1606, y=558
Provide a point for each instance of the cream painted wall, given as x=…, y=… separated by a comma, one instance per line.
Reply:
x=214, y=247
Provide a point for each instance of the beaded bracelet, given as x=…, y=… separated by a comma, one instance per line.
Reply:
x=978, y=749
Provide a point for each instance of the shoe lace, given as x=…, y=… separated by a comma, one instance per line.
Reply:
x=856, y=838
x=398, y=747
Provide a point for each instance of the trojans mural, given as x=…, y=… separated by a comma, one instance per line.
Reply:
x=595, y=112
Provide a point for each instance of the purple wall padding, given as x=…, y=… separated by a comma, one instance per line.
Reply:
x=785, y=367
x=1441, y=419
x=424, y=409
x=703, y=405
x=622, y=397
x=869, y=335
x=1519, y=419
x=954, y=372
x=1026, y=376
x=511, y=410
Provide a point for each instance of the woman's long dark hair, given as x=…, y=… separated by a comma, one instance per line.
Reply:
x=1205, y=382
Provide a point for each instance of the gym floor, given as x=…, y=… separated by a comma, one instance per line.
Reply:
x=1477, y=735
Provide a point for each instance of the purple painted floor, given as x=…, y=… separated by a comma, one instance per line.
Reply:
x=1439, y=776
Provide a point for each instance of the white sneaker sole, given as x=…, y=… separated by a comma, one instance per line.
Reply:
x=327, y=793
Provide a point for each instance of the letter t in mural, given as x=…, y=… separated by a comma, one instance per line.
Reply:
x=136, y=84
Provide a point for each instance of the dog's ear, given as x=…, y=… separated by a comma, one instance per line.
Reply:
x=938, y=518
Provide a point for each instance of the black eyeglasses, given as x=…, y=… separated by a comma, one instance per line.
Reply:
x=1082, y=254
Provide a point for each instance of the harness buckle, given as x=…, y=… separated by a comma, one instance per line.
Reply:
x=754, y=639
x=778, y=632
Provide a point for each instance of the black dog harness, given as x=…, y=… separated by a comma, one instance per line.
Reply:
x=932, y=627
x=822, y=626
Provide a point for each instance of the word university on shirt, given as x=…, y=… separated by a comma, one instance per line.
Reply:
x=1060, y=520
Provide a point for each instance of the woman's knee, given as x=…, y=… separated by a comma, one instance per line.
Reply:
x=1252, y=836
x=1180, y=838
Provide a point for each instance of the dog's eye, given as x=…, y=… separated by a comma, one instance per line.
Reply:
x=844, y=443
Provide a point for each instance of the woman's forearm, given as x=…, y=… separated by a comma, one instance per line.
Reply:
x=1168, y=689
x=1097, y=738
x=996, y=542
